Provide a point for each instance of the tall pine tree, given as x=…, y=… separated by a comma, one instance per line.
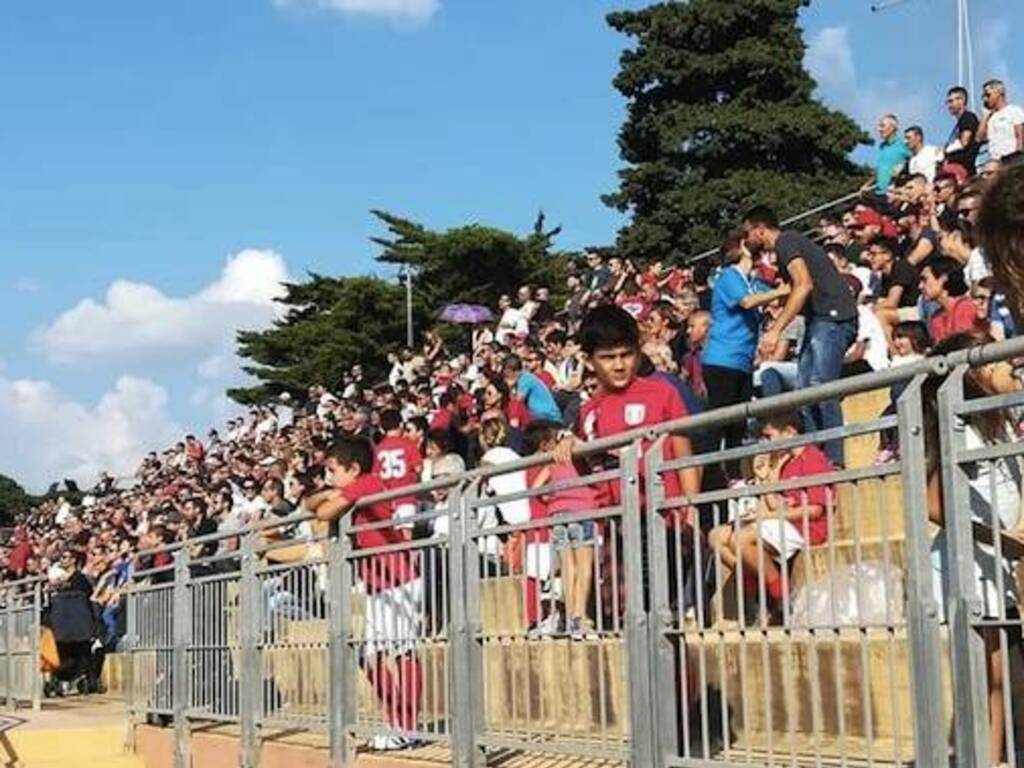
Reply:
x=721, y=116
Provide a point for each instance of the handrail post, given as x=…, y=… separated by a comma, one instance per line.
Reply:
x=340, y=677
x=929, y=715
x=130, y=642
x=636, y=624
x=970, y=682
x=251, y=673
x=663, y=674
x=464, y=651
x=11, y=701
x=180, y=677
x=34, y=647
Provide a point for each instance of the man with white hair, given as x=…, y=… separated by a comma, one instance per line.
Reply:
x=1002, y=125
x=893, y=155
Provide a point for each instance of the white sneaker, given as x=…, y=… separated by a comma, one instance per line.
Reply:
x=551, y=625
x=386, y=743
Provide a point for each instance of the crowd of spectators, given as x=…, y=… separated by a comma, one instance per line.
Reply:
x=882, y=283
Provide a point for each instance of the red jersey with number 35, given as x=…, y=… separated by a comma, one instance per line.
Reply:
x=397, y=462
x=646, y=402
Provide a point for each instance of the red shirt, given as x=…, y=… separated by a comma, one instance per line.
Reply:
x=397, y=462
x=962, y=317
x=517, y=414
x=634, y=305
x=382, y=571
x=811, y=461
x=644, y=403
x=547, y=378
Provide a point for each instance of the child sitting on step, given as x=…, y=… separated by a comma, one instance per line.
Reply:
x=785, y=523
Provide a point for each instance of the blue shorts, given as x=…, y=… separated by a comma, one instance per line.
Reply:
x=574, y=535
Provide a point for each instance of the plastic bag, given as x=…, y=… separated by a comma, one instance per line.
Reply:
x=855, y=594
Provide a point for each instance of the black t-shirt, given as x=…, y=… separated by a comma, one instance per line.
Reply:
x=830, y=299
x=906, y=275
x=966, y=157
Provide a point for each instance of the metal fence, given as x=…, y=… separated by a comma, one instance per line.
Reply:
x=819, y=615
x=21, y=607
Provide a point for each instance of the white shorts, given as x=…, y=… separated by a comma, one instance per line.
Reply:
x=782, y=536
x=394, y=618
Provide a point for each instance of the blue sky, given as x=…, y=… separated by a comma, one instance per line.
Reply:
x=150, y=142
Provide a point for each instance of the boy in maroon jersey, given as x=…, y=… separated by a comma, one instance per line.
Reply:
x=624, y=401
x=610, y=338
x=397, y=462
x=391, y=581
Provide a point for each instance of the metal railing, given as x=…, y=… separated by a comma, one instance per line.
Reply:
x=806, y=617
x=21, y=607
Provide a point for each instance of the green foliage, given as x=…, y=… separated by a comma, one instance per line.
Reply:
x=331, y=323
x=472, y=264
x=13, y=499
x=721, y=116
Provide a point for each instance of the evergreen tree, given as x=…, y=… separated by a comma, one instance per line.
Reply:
x=721, y=116
x=333, y=323
x=13, y=499
x=472, y=264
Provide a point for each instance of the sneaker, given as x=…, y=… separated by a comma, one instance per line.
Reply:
x=548, y=626
x=582, y=629
x=387, y=743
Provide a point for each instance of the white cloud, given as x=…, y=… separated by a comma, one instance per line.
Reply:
x=138, y=321
x=830, y=60
x=56, y=437
x=395, y=10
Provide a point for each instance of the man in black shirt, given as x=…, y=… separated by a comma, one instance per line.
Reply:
x=962, y=148
x=820, y=294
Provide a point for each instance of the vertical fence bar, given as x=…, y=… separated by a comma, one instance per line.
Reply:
x=466, y=533
x=35, y=643
x=345, y=686
x=130, y=642
x=9, y=647
x=662, y=645
x=637, y=626
x=460, y=701
x=962, y=605
x=181, y=629
x=338, y=680
x=929, y=715
x=250, y=672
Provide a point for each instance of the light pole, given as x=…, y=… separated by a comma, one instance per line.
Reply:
x=408, y=307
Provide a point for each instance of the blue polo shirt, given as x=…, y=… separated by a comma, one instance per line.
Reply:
x=891, y=154
x=538, y=398
x=732, y=340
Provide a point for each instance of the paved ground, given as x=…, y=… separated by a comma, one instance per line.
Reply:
x=67, y=733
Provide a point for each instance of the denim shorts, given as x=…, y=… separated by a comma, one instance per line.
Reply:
x=573, y=535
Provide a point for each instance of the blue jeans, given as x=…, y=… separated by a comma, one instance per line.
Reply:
x=821, y=360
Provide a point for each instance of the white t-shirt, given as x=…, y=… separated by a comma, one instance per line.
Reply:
x=869, y=331
x=926, y=162
x=513, y=323
x=1002, y=140
x=977, y=267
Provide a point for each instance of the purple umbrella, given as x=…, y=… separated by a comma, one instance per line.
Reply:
x=466, y=314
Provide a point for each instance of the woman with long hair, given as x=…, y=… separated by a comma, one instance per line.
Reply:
x=995, y=497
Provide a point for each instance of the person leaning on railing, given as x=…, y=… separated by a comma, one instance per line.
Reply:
x=391, y=582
